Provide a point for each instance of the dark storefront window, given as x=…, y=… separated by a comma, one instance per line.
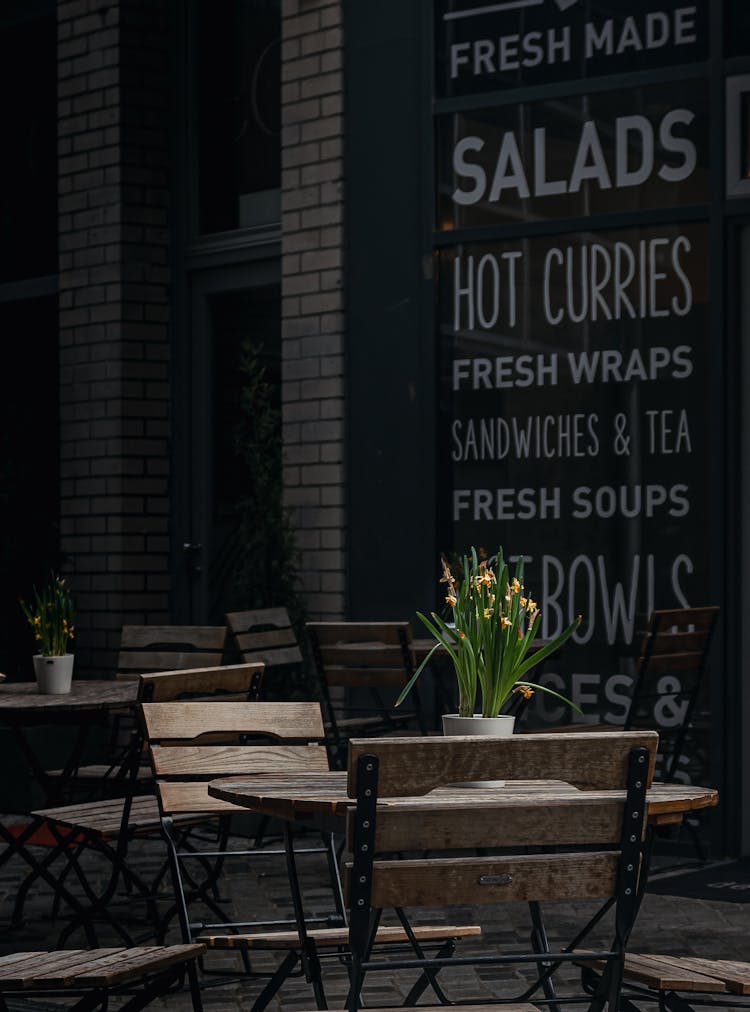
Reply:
x=239, y=107
x=244, y=324
x=28, y=166
x=626, y=150
x=576, y=358
x=488, y=46
x=736, y=28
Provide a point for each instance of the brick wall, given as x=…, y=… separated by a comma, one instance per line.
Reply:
x=313, y=322
x=113, y=310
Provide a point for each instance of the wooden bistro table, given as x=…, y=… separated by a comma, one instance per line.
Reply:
x=320, y=800
x=87, y=704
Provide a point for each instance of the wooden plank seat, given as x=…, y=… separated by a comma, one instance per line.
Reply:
x=337, y=937
x=103, y=820
x=145, y=972
x=661, y=974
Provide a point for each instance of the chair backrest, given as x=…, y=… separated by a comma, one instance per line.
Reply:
x=361, y=668
x=669, y=674
x=243, y=680
x=363, y=654
x=147, y=648
x=584, y=845
x=265, y=634
x=183, y=763
x=275, y=737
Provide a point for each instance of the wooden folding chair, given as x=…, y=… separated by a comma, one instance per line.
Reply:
x=96, y=976
x=183, y=768
x=268, y=635
x=530, y=850
x=109, y=826
x=671, y=649
x=370, y=662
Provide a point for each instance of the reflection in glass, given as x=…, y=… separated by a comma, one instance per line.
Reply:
x=28, y=167
x=629, y=150
x=239, y=113
x=744, y=166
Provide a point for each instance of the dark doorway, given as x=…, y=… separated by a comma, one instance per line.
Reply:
x=230, y=308
x=29, y=499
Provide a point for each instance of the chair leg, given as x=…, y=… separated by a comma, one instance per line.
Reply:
x=540, y=943
x=275, y=981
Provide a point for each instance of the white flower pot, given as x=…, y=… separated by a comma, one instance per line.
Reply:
x=495, y=727
x=53, y=674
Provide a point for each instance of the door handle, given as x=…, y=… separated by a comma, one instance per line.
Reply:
x=192, y=551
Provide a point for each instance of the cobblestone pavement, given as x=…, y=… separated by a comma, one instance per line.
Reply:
x=258, y=888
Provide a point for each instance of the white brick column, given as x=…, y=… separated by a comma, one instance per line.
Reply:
x=313, y=323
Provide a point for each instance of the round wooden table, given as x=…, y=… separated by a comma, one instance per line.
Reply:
x=321, y=799
x=88, y=703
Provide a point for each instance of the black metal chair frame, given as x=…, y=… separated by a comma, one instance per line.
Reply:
x=627, y=898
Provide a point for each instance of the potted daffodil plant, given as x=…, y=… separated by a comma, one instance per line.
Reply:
x=488, y=631
x=50, y=616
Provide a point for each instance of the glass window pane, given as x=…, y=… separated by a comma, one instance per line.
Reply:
x=626, y=150
x=28, y=166
x=239, y=113
x=737, y=28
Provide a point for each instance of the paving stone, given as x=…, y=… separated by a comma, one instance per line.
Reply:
x=258, y=888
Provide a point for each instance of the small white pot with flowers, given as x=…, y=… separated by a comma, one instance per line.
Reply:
x=51, y=620
x=488, y=633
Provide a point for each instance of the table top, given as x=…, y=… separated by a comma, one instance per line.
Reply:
x=322, y=796
x=18, y=697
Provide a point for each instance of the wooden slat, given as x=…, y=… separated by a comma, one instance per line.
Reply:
x=414, y=766
x=371, y=655
x=701, y=618
x=164, y=686
x=139, y=637
x=667, y=642
x=32, y=971
x=661, y=664
x=269, y=638
x=512, y=879
x=366, y=677
x=141, y=661
x=327, y=937
x=197, y=761
x=185, y=721
x=273, y=656
x=735, y=975
x=394, y=718
x=242, y=621
x=664, y=973
x=182, y=798
x=104, y=818
x=542, y=819
x=134, y=963
x=353, y=632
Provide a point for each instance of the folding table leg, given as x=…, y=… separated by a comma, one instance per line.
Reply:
x=40, y=869
x=308, y=949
